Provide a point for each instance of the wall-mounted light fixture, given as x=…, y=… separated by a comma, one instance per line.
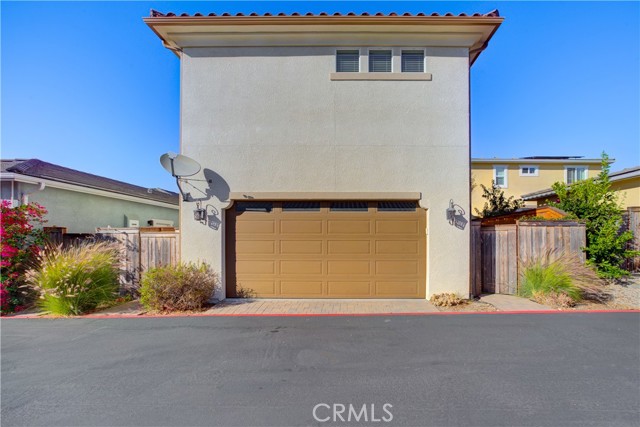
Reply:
x=451, y=212
x=200, y=213
x=455, y=215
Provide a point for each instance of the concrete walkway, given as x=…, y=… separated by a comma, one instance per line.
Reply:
x=232, y=306
x=513, y=303
x=321, y=306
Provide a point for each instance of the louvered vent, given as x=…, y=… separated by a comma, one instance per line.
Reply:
x=397, y=206
x=254, y=206
x=301, y=206
x=349, y=206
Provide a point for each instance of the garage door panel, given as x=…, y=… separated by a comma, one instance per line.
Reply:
x=255, y=227
x=327, y=253
x=397, y=267
x=257, y=287
x=256, y=266
x=392, y=247
x=349, y=267
x=313, y=247
x=300, y=227
x=396, y=227
x=256, y=246
x=306, y=288
x=301, y=267
x=349, y=247
x=349, y=289
x=337, y=227
x=397, y=289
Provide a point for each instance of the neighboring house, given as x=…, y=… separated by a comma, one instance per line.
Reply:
x=337, y=147
x=527, y=174
x=625, y=182
x=81, y=201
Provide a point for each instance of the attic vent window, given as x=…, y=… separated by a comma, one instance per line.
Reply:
x=348, y=61
x=379, y=61
x=413, y=61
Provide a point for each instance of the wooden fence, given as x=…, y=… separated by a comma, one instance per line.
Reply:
x=142, y=249
x=499, y=250
x=632, y=223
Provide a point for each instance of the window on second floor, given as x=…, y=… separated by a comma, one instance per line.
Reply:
x=528, y=170
x=348, y=61
x=575, y=173
x=412, y=61
x=500, y=176
x=380, y=61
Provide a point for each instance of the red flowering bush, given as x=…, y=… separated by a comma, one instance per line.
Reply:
x=20, y=241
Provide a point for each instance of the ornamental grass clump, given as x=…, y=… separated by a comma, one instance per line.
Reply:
x=559, y=279
x=184, y=287
x=76, y=279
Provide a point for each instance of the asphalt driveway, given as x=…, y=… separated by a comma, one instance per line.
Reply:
x=481, y=370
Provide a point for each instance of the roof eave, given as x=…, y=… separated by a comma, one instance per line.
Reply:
x=283, y=23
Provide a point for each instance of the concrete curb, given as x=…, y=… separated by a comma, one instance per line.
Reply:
x=442, y=313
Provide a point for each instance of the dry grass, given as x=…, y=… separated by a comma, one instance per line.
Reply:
x=184, y=287
x=447, y=300
x=559, y=279
x=76, y=279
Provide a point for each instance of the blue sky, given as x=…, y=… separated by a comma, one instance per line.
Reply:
x=89, y=86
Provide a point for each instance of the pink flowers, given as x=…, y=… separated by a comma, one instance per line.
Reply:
x=20, y=240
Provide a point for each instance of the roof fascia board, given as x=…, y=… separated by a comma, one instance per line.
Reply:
x=4, y=176
x=536, y=161
x=179, y=32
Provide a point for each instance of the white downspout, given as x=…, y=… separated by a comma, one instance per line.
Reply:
x=24, y=197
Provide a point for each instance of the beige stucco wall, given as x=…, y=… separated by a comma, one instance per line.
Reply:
x=628, y=191
x=272, y=120
x=517, y=185
x=82, y=212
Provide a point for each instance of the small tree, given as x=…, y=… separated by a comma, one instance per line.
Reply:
x=593, y=201
x=497, y=203
x=20, y=239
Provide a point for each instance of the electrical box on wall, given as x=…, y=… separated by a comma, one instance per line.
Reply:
x=131, y=221
x=160, y=223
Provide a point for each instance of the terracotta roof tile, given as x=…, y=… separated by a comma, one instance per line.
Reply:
x=492, y=14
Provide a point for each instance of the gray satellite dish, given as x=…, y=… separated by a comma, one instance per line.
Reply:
x=179, y=165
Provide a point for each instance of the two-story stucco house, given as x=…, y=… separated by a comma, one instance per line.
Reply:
x=519, y=176
x=337, y=147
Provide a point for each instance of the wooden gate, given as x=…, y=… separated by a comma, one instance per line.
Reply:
x=499, y=250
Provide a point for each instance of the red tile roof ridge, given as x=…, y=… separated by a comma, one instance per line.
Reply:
x=493, y=14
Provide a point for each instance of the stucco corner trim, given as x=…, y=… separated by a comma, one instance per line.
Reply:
x=325, y=196
x=381, y=76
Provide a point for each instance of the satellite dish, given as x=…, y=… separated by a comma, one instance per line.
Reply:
x=179, y=165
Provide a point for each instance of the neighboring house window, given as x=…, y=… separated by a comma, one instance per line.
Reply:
x=379, y=61
x=528, y=170
x=500, y=176
x=575, y=174
x=413, y=61
x=348, y=61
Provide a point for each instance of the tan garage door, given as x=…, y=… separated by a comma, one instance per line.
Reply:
x=344, y=249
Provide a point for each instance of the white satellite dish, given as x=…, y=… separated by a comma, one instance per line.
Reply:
x=179, y=165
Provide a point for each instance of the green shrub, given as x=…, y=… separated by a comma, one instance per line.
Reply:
x=497, y=203
x=553, y=276
x=593, y=201
x=76, y=279
x=186, y=286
